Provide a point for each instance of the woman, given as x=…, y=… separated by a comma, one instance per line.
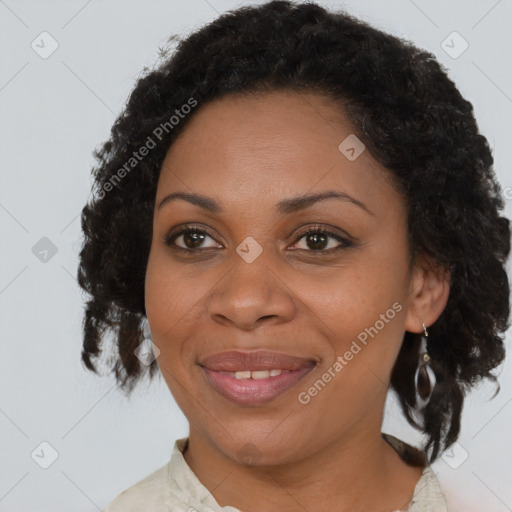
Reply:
x=294, y=213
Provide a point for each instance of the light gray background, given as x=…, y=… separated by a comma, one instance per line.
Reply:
x=54, y=111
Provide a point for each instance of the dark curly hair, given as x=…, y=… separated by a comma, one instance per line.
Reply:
x=412, y=119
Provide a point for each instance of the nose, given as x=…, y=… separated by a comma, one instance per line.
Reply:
x=251, y=294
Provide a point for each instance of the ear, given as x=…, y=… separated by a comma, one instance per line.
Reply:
x=428, y=293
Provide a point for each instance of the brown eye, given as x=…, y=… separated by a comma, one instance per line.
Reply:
x=317, y=241
x=190, y=239
x=320, y=240
x=193, y=239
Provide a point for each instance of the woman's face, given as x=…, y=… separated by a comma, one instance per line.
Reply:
x=339, y=300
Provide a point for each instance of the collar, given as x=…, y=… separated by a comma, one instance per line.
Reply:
x=186, y=487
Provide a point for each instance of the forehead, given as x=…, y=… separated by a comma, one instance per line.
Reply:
x=270, y=145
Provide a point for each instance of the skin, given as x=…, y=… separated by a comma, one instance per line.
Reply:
x=248, y=153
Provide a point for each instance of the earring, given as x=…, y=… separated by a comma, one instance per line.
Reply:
x=424, y=378
x=147, y=351
x=146, y=329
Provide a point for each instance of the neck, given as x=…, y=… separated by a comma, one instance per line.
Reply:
x=357, y=471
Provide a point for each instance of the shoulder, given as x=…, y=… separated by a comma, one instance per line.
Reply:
x=159, y=491
x=148, y=494
x=428, y=496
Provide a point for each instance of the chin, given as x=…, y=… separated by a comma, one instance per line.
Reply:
x=258, y=448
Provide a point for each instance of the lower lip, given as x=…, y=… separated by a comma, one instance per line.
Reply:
x=254, y=391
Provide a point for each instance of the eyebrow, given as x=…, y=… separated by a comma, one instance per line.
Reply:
x=285, y=206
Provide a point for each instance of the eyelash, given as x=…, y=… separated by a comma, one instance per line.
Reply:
x=317, y=230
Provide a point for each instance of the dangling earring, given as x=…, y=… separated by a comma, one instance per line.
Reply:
x=147, y=351
x=424, y=378
x=146, y=329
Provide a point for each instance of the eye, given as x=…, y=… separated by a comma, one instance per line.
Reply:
x=190, y=239
x=316, y=240
x=319, y=240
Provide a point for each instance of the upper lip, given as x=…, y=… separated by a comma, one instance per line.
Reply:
x=233, y=360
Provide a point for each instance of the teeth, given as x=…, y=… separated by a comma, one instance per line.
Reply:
x=258, y=374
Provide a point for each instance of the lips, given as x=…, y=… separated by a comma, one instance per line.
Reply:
x=235, y=361
x=254, y=378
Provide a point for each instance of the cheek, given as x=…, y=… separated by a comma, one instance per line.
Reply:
x=175, y=307
x=167, y=301
x=363, y=304
x=161, y=292
x=355, y=294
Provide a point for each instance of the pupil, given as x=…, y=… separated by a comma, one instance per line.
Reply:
x=316, y=241
x=193, y=239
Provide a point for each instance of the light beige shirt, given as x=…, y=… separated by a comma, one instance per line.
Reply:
x=175, y=488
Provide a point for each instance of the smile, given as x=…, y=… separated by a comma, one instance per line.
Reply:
x=254, y=378
x=257, y=374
